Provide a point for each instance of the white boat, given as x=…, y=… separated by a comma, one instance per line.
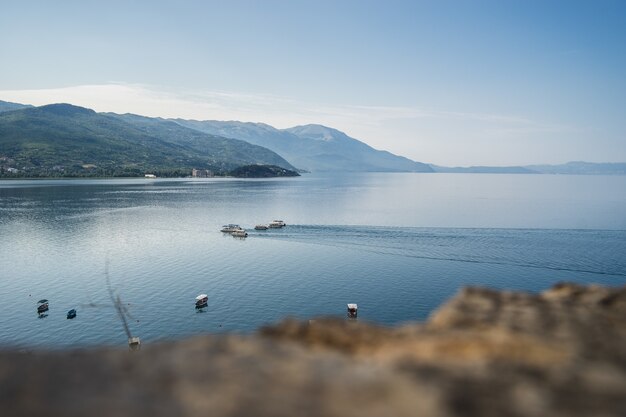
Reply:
x=202, y=300
x=134, y=343
x=240, y=233
x=260, y=227
x=230, y=228
x=352, y=310
x=277, y=224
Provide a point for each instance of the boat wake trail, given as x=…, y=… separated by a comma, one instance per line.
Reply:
x=581, y=251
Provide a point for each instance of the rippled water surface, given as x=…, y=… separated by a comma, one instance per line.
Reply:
x=397, y=244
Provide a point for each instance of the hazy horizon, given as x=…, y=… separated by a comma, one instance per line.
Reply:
x=447, y=83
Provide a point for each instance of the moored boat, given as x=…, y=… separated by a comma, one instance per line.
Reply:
x=134, y=343
x=71, y=314
x=202, y=300
x=260, y=227
x=352, y=310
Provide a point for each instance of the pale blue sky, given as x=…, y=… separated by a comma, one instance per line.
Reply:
x=445, y=82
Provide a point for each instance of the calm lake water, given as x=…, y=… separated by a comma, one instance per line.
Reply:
x=396, y=244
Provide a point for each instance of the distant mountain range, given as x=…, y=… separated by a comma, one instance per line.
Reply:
x=311, y=147
x=67, y=140
x=570, y=168
x=582, y=168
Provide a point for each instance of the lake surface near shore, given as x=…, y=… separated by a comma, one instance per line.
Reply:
x=397, y=244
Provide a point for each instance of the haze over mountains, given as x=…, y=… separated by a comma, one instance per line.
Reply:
x=321, y=148
x=62, y=138
x=130, y=144
x=311, y=147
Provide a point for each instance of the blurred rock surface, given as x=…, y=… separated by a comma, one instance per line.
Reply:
x=484, y=353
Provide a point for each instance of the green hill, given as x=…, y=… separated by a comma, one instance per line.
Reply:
x=66, y=140
x=262, y=171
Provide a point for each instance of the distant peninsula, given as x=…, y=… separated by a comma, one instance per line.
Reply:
x=262, y=171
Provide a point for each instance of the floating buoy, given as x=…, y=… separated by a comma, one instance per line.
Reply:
x=42, y=306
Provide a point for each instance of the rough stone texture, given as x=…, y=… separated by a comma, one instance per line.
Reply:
x=485, y=353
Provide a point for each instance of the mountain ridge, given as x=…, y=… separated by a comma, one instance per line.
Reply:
x=66, y=140
x=9, y=106
x=312, y=147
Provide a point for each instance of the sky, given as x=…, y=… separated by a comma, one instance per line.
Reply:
x=453, y=83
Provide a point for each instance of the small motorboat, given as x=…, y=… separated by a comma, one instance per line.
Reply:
x=240, y=233
x=202, y=300
x=277, y=224
x=352, y=311
x=134, y=343
x=42, y=306
x=230, y=228
x=260, y=227
x=71, y=314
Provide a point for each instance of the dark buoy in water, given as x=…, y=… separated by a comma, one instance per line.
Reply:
x=42, y=306
x=71, y=314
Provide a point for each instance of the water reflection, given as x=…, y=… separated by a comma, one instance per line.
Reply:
x=396, y=244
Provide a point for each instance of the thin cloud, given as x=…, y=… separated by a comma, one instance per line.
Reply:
x=410, y=131
x=143, y=99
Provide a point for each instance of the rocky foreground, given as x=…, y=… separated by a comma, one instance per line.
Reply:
x=485, y=353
